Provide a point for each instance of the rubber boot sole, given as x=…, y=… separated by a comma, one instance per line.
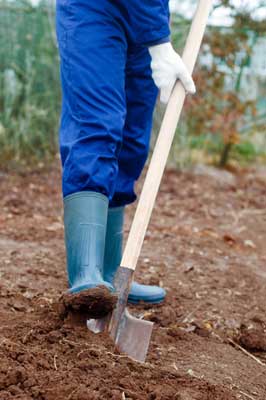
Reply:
x=92, y=303
x=151, y=301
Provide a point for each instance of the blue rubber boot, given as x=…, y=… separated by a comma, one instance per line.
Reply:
x=85, y=218
x=112, y=259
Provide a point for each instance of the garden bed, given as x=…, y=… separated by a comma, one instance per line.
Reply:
x=205, y=245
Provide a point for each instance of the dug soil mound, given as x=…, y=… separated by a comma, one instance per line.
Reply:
x=205, y=245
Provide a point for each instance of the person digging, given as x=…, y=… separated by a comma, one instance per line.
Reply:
x=114, y=56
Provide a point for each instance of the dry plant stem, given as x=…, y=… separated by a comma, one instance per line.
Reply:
x=71, y=394
x=247, y=395
x=55, y=365
x=189, y=315
x=246, y=352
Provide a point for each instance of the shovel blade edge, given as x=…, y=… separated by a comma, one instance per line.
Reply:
x=97, y=325
x=133, y=336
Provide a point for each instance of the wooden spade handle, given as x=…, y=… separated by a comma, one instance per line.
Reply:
x=164, y=141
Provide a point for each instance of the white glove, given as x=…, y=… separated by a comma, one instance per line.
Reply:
x=167, y=66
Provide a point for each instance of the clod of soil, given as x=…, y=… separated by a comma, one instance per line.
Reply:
x=92, y=303
x=253, y=339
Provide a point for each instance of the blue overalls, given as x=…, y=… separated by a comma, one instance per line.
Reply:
x=108, y=94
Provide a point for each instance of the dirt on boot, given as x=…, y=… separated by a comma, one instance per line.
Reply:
x=90, y=303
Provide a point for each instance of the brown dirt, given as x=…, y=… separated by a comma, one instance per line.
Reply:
x=92, y=303
x=205, y=245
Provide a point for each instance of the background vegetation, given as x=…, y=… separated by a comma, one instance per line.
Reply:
x=226, y=120
x=29, y=81
x=222, y=123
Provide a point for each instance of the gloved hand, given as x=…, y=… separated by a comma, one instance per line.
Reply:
x=167, y=66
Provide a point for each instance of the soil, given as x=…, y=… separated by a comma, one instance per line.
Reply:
x=205, y=245
x=92, y=303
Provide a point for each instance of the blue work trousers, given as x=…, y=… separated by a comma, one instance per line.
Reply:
x=108, y=98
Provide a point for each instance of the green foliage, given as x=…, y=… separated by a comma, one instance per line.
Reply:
x=221, y=107
x=30, y=94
